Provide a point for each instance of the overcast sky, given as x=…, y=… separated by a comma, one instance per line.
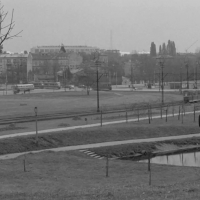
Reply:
x=134, y=23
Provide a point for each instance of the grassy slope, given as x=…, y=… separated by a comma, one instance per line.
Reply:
x=74, y=176
x=74, y=101
x=157, y=128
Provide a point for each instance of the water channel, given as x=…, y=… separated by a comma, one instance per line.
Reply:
x=183, y=159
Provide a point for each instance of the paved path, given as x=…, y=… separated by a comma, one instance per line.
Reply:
x=87, y=146
x=103, y=144
x=84, y=126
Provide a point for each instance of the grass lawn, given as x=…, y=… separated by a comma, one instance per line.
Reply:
x=117, y=132
x=74, y=175
x=76, y=102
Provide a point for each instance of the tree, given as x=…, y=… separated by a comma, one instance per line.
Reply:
x=87, y=77
x=6, y=31
x=160, y=50
x=153, y=49
x=164, y=50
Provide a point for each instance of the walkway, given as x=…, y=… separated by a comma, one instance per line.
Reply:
x=103, y=144
x=85, y=126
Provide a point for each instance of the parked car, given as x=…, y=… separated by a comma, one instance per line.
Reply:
x=69, y=86
x=81, y=86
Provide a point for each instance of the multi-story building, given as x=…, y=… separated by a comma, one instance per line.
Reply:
x=13, y=68
x=68, y=49
x=49, y=66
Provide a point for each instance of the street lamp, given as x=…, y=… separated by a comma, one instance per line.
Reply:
x=187, y=66
x=196, y=77
x=161, y=62
x=99, y=59
x=97, y=63
x=181, y=80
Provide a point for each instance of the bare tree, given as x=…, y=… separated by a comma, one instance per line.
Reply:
x=6, y=30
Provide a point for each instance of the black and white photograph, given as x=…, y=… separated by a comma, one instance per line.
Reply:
x=99, y=100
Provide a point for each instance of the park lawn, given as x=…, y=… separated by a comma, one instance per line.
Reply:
x=76, y=101
x=117, y=132
x=74, y=175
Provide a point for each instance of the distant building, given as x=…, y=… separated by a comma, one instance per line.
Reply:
x=56, y=49
x=49, y=66
x=13, y=67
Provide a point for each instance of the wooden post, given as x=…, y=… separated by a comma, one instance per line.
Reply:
x=184, y=109
x=107, y=165
x=182, y=114
x=161, y=111
x=24, y=162
x=36, y=127
x=149, y=169
x=151, y=113
x=101, y=117
x=179, y=113
x=149, y=116
x=182, y=159
x=126, y=117
x=194, y=113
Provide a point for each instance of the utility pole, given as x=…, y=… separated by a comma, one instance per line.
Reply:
x=196, y=77
x=181, y=80
x=187, y=66
x=97, y=66
x=162, y=66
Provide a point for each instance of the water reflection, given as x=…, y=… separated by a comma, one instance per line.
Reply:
x=186, y=159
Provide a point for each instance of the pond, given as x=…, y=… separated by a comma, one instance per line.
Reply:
x=183, y=159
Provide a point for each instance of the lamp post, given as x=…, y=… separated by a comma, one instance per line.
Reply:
x=97, y=63
x=161, y=62
x=187, y=66
x=181, y=80
x=196, y=74
x=99, y=59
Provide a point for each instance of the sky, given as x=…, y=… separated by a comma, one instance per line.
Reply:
x=134, y=23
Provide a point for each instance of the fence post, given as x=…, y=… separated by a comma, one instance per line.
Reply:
x=126, y=117
x=194, y=113
x=138, y=114
x=184, y=109
x=151, y=113
x=149, y=116
x=101, y=117
x=107, y=165
x=36, y=128
x=149, y=169
x=161, y=111
x=24, y=162
x=182, y=114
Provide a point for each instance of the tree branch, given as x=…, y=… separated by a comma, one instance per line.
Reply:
x=8, y=28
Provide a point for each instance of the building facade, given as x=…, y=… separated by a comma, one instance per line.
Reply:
x=68, y=49
x=13, y=68
x=50, y=66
